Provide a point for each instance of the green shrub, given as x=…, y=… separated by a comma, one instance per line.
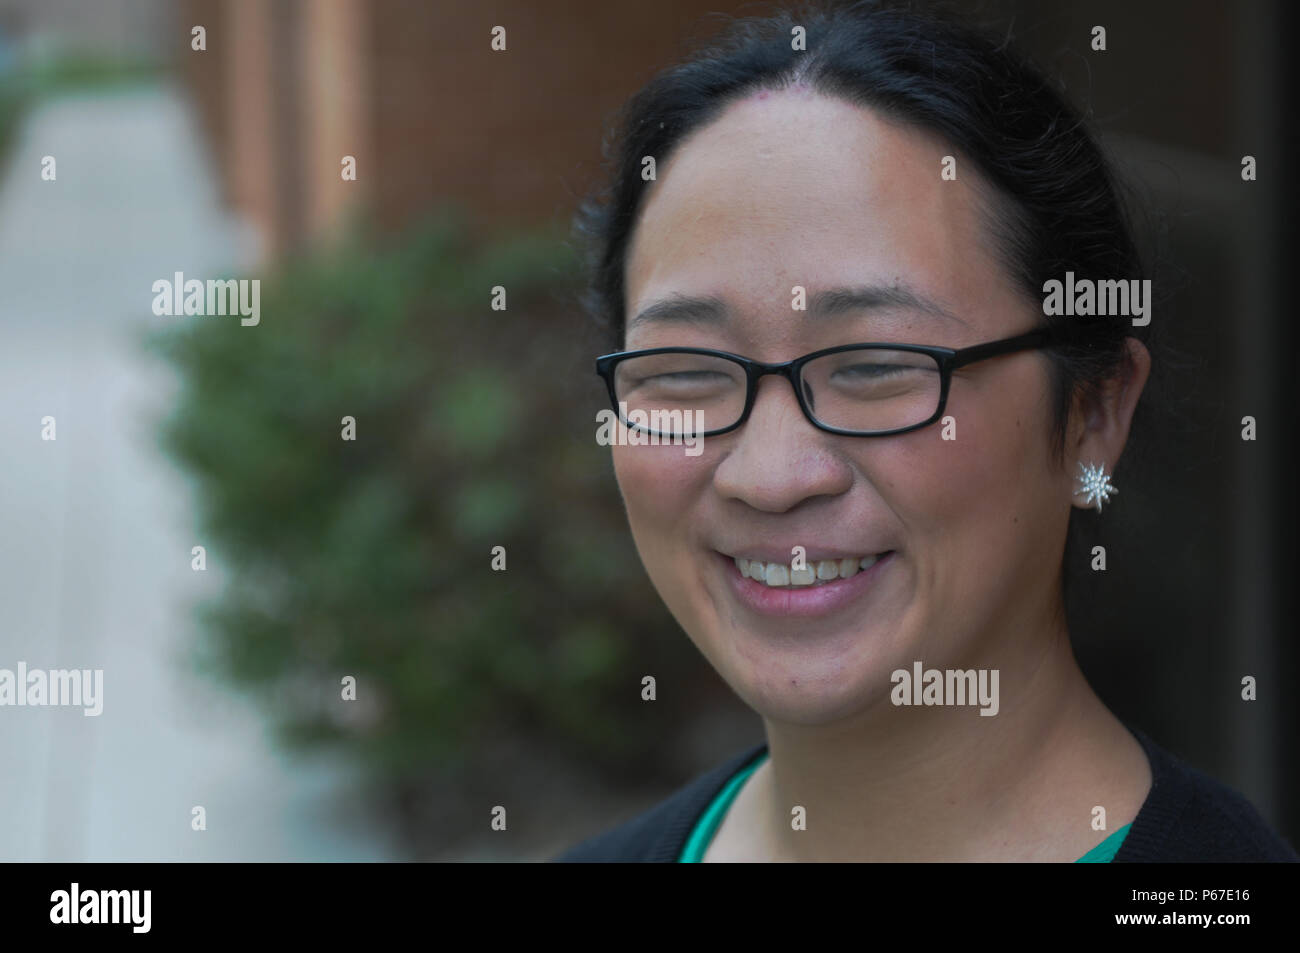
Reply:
x=371, y=558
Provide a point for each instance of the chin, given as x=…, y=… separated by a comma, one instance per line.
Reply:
x=810, y=701
x=807, y=671
x=805, y=683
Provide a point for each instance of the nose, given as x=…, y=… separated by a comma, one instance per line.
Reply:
x=778, y=459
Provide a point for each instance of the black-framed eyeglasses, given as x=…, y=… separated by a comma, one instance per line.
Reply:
x=857, y=390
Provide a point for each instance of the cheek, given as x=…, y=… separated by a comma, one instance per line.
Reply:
x=659, y=487
x=978, y=507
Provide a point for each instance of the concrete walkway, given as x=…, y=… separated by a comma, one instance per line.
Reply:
x=96, y=526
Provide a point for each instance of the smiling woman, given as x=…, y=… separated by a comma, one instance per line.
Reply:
x=901, y=501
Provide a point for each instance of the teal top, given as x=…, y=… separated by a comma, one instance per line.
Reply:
x=702, y=834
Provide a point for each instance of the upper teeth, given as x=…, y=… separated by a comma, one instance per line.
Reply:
x=782, y=574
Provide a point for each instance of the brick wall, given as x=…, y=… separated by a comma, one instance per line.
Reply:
x=414, y=91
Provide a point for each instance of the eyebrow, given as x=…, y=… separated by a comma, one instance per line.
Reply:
x=831, y=303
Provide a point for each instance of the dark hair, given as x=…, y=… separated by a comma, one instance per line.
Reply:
x=1054, y=206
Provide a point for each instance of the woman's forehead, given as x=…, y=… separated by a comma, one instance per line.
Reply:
x=807, y=191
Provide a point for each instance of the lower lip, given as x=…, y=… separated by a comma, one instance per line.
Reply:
x=805, y=601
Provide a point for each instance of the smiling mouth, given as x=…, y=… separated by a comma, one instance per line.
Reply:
x=813, y=574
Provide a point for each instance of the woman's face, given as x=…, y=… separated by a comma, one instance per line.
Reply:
x=793, y=189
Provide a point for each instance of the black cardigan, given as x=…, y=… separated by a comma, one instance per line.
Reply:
x=1187, y=817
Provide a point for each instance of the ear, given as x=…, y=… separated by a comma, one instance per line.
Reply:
x=1099, y=427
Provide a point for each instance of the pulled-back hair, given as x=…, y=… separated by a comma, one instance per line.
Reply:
x=1054, y=203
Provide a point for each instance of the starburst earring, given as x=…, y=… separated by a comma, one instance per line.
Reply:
x=1095, y=485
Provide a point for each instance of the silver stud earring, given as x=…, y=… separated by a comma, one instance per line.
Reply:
x=1095, y=485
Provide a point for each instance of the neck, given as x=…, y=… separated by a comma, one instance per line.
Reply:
x=944, y=782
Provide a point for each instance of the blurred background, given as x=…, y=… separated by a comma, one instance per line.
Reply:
x=371, y=558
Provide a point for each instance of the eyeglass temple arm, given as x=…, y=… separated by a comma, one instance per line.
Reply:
x=1039, y=337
